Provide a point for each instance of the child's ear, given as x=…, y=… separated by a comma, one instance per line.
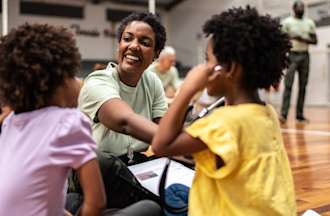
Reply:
x=232, y=69
x=214, y=75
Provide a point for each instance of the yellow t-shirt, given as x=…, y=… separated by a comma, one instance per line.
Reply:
x=256, y=179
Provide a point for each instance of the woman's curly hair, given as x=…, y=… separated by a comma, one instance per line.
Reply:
x=150, y=19
x=254, y=41
x=35, y=59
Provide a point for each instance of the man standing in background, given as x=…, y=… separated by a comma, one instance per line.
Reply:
x=165, y=69
x=302, y=33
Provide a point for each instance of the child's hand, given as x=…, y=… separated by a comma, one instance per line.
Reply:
x=197, y=77
x=67, y=213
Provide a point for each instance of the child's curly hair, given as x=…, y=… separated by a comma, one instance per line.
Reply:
x=35, y=59
x=254, y=41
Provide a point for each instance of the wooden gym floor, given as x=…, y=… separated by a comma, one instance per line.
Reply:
x=308, y=147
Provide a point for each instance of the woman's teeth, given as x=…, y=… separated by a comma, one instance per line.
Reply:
x=131, y=57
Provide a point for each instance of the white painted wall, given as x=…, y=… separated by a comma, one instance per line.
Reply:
x=95, y=48
x=185, y=22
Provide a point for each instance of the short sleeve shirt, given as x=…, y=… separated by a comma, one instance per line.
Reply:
x=255, y=179
x=301, y=27
x=168, y=78
x=38, y=149
x=146, y=99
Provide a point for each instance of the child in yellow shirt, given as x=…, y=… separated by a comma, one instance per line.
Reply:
x=241, y=164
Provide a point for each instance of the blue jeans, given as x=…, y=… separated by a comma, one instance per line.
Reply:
x=176, y=195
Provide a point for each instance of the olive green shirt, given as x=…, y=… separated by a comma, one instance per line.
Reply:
x=169, y=78
x=299, y=27
x=146, y=99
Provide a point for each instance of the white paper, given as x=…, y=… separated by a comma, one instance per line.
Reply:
x=310, y=213
x=149, y=173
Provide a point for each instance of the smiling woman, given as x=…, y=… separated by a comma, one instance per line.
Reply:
x=124, y=101
x=136, y=51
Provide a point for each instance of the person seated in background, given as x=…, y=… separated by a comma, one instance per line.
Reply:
x=241, y=164
x=165, y=69
x=124, y=101
x=45, y=135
